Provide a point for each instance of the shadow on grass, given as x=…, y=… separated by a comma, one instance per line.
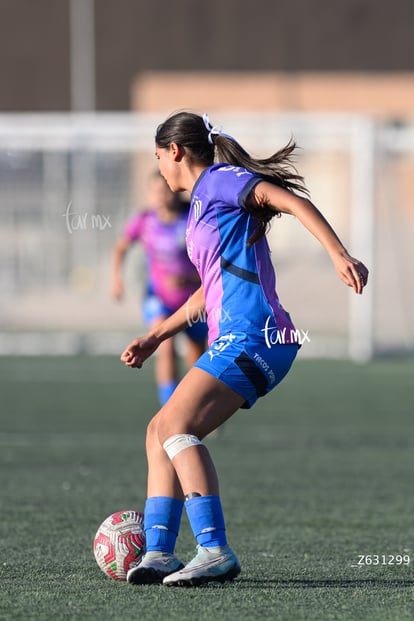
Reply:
x=253, y=583
x=303, y=583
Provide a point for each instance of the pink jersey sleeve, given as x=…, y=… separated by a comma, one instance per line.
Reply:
x=134, y=226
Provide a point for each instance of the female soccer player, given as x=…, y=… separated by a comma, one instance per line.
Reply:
x=232, y=203
x=172, y=278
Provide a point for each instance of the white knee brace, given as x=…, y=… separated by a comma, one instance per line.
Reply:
x=175, y=444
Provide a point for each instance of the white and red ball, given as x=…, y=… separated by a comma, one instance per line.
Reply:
x=120, y=543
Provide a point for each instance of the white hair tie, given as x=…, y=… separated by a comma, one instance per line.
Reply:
x=216, y=130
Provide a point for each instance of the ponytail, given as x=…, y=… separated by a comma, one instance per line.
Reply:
x=206, y=143
x=277, y=169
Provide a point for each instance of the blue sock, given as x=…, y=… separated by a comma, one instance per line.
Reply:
x=207, y=521
x=162, y=517
x=165, y=391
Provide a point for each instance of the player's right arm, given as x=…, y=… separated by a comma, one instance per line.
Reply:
x=143, y=347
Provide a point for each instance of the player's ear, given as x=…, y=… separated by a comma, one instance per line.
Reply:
x=177, y=151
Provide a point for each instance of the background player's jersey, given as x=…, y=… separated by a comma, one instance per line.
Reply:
x=239, y=280
x=166, y=256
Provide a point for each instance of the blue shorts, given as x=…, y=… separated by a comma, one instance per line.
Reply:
x=247, y=365
x=153, y=308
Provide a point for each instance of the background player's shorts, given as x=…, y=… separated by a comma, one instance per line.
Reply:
x=247, y=365
x=153, y=308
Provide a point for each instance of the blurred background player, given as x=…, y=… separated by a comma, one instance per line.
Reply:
x=171, y=277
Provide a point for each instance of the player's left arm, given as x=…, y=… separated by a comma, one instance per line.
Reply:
x=350, y=270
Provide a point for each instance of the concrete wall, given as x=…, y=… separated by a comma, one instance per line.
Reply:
x=384, y=95
x=137, y=36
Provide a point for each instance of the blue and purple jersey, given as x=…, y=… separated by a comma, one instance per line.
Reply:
x=167, y=260
x=239, y=280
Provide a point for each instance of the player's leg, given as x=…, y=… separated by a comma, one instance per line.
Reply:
x=166, y=372
x=208, y=403
x=199, y=404
x=162, y=515
x=196, y=342
x=194, y=350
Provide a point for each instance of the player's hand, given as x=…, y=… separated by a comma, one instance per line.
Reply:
x=139, y=350
x=117, y=289
x=351, y=271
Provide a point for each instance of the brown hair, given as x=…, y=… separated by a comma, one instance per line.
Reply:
x=204, y=146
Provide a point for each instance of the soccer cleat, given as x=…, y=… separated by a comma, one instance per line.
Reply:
x=153, y=568
x=209, y=565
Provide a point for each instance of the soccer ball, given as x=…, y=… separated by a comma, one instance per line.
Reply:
x=120, y=543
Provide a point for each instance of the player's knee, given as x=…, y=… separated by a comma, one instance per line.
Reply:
x=151, y=440
x=179, y=442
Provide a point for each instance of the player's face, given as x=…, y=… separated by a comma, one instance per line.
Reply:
x=167, y=167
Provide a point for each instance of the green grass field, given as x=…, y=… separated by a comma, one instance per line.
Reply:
x=317, y=475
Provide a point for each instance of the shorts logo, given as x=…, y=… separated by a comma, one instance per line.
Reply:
x=265, y=367
x=220, y=345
